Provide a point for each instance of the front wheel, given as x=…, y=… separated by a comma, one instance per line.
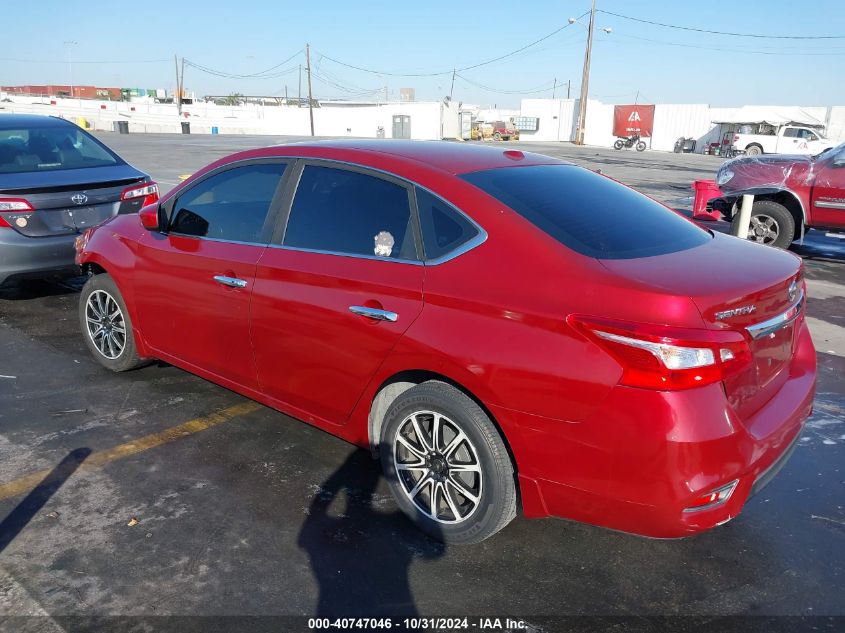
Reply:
x=106, y=325
x=640, y=147
x=619, y=144
x=447, y=465
x=771, y=224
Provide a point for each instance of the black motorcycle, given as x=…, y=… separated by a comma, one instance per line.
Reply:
x=630, y=141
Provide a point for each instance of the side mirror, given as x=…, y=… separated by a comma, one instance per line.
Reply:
x=150, y=219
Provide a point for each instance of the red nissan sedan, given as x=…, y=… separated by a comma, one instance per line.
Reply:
x=503, y=328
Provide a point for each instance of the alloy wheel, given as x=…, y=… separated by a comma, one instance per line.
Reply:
x=438, y=467
x=105, y=324
x=763, y=229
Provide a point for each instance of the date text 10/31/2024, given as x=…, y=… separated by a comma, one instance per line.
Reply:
x=417, y=624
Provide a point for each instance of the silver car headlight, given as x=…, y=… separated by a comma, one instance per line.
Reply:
x=724, y=176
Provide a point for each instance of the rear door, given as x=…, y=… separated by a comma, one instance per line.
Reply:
x=828, y=197
x=193, y=282
x=337, y=289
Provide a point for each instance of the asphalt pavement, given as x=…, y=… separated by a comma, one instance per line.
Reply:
x=155, y=493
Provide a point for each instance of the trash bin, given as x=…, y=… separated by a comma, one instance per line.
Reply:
x=705, y=191
x=121, y=127
x=186, y=127
x=688, y=146
x=214, y=129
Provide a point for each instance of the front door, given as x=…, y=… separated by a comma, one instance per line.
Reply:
x=193, y=282
x=333, y=297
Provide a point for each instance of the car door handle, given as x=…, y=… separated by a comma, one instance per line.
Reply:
x=374, y=313
x=231, y=282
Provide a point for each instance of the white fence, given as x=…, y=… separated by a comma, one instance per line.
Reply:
x=428, y=120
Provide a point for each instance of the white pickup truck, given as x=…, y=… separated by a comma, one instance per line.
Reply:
x=787, y=139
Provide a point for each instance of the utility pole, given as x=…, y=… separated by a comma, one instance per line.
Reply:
x=554, y=88
x=310, y=97
x=385, y=94
x=299, y=94
x=181, y=83
x=585, y=79
x=177, y=98
x=286, y=94
x=568, y=86
x=452, y=89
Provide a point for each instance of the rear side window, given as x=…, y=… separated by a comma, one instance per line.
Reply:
x=232, y=205
x=351, y=213
x=444, y=228
x=589, y=213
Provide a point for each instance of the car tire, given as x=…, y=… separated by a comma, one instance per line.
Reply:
x=753, y=150
x=771, y=224
x=106, y=325
x=467, y=461
x=497, y=136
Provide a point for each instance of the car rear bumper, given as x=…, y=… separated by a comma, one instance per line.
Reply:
x=639, y=463
x=22, y=256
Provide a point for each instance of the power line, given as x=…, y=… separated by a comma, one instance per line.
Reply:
x=64, y=61
x=264, y=74
x=755, y=35
x=730, y=50
x=545, y=87
x=450, y=71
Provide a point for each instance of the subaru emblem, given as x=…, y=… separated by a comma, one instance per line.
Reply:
x=79, y=198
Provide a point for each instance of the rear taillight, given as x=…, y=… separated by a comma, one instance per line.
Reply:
x=11, y=209
x=713, y=498
x=666, y=358
x=147, y=191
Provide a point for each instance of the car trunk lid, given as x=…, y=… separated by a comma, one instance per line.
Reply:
x=66, y=201
x=737, y=286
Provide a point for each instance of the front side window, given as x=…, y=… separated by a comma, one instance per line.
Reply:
x=51, y=148
x=351, y=213
x=589, y=213
x=444, y=229
x=231, y=205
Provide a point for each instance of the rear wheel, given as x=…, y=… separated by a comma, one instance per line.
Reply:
x=753, y=150
x=447, y=465
x=106, y=325
x=497, y=136
x=771, y=224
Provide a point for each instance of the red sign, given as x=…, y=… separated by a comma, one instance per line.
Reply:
x=629, y=120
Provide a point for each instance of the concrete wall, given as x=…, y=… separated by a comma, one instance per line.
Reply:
x=429, y=120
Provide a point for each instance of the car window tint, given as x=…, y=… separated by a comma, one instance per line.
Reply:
x=349, y=212
x=231, y=205
x=790, y=132
x=51, y=148
x=444, y=228
x=589, y=213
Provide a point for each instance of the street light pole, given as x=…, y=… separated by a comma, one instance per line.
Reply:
x=585, y=79
x=69, y=44
x=310, y=97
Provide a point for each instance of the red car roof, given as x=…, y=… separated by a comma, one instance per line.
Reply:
x=451, y=157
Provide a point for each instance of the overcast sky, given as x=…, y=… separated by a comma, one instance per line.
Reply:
x=398, y=36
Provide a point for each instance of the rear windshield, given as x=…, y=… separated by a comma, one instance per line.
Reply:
x=589, y=213
x=50, y=149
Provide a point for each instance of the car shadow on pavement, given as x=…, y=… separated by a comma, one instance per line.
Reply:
x=361, y=555
x=26, y=510
x=25, y=289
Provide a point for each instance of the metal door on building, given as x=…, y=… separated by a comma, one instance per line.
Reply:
x=401, y=126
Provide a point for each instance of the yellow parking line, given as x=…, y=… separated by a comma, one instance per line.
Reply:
x=101, y=458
